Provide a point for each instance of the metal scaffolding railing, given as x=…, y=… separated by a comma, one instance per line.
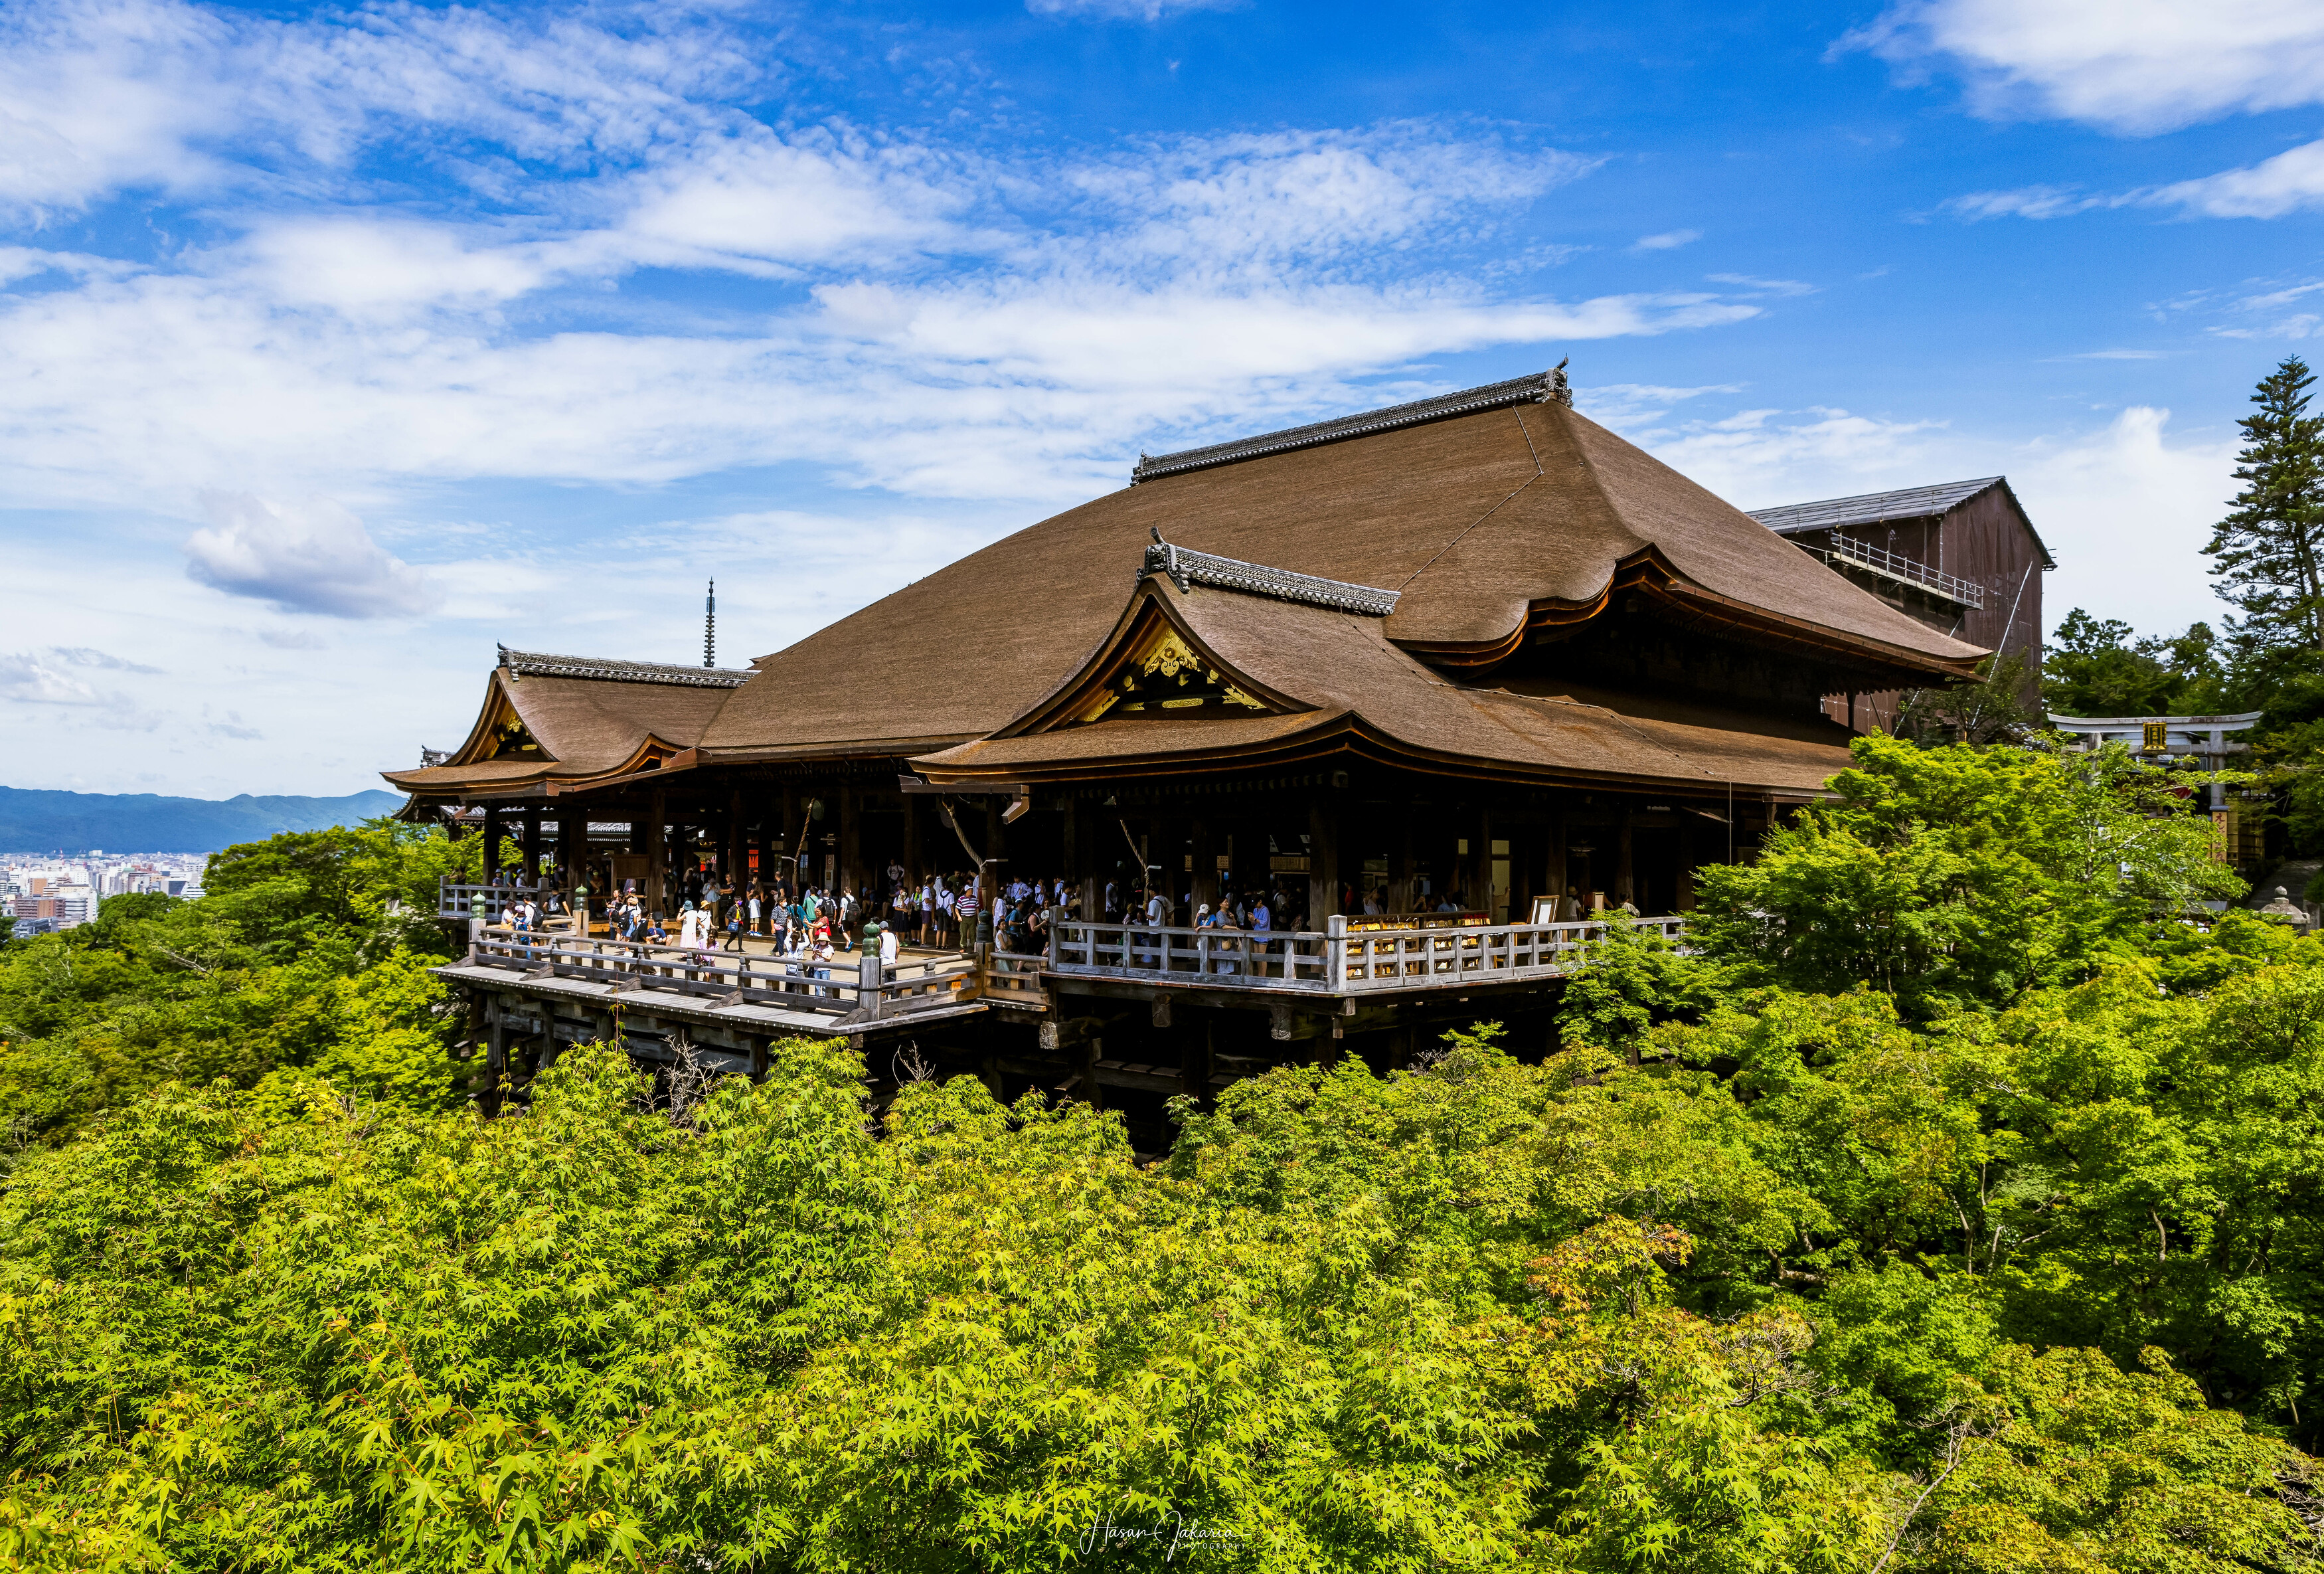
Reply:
x=1848, y=549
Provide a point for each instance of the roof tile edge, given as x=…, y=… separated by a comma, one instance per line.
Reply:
x=537, y=664
x=1548, y=387
x=1188, y=568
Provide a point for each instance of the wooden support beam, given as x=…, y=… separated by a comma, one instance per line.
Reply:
x=851, y=836
x=1197, y=1056
x=573, y=844
x=1558, y=878
x=496, y=1059
x=1081, y=853
x=657, y=851
x=736, y=874
x=1323, y=863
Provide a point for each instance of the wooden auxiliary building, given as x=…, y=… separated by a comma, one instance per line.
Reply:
x=1475, y=651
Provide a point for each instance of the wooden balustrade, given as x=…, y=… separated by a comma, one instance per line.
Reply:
x=1224, y=958
x=1341, y=961
x=726, y=978
x=490, y=902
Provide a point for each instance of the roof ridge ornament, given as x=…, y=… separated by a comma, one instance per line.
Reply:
x=1187, y=569
x=1548, y=387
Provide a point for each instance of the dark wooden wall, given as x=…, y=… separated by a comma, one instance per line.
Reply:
x=1985, y=541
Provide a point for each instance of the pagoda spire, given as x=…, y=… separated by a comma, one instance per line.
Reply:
x=710, y=627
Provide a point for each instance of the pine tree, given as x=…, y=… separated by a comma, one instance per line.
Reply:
x=2270, y=551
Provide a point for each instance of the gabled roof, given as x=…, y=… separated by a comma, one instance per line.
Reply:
x=1345, y=686
x=1479, y=519
x=589, y=717
x=1884, y=507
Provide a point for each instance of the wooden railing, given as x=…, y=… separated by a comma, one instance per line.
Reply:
x=1423, y=959
x=1341, y=961
x=490, y=902
x=1226, y=957
x=836, y=988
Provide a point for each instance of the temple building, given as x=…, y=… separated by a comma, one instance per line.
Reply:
x=1960, y=556
x=1468, y=666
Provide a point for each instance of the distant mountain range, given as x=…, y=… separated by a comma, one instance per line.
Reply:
x=36, y=821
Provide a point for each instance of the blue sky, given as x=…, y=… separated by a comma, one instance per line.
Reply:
x=343, y=343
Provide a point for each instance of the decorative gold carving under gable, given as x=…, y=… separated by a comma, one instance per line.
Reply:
x=1165, y=675
x=1169, y=656
x=503, y=737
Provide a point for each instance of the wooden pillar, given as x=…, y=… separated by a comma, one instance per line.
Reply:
x=1206, y=866
x=1481, y=894
x=915, y=811
x=1623, y=890
x=736, y=875
x=1685, y=900
x=1401, y=897
x=657, y=896
x=851, y=838
x=495, y=1059
x=573, y=842
x=1558, y=877
x=1195, y=1053
x=1323, y=857
x=994, y=845
x=1081, y=853
x=787, y=845
x=531, y=846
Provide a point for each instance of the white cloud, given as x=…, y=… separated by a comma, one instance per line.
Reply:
x=59, y=676
x=1093, y=301
x=385, y=252
x=1668, y=240
x=1633, y=406
x=750, y=200
x=2127, y=512
x=1762, y=286
x=1125, y=9
x=2131, y=66
x=359, y=266
x=312, y=555
x=2126, y=509
x=1249, y=203
x=2290, y=181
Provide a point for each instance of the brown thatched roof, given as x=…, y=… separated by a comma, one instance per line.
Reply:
x=611, y=719
x=1336, y=681
x=1483, y=523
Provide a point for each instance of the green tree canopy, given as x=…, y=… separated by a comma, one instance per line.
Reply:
x=2268, y=553
x=1960, y=876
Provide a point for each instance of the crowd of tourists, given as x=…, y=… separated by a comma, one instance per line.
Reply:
x=932, y=912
